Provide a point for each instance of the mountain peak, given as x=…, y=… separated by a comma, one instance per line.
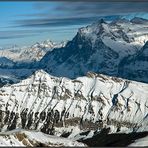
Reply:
x=40, y=72
x=95, y=28
x=139, y=20
x=120, y=20
x=146, y=44
x=101, y=21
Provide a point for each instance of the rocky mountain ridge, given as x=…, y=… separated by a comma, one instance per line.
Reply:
x=100, y=47
x=57, y=105
x=29, y=54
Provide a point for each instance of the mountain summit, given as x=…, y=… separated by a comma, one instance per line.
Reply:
x=100, y=47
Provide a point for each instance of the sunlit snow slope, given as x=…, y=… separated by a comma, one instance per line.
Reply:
x=34, y=138
x=91, y=102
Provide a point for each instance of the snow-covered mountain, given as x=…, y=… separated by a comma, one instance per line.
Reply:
x=46, y=110
x=58, y=105
x=99, y=47
x=138, y=20
x=29, y=54
x=18, y=63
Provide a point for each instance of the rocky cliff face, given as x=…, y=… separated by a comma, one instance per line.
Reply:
x=100, y=47
x=57, y=105
x=136, y=66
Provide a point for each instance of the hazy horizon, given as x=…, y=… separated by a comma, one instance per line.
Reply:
x=24, y=23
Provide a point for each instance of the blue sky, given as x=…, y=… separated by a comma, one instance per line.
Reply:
x=24, y=23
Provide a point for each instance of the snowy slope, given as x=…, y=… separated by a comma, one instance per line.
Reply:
x=99, y=47
x=34, y=139
x=142, y=142
x=56, y=105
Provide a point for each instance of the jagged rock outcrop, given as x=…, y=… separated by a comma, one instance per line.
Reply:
x=93, y=102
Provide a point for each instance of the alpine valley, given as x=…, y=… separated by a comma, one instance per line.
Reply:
x=90, y=91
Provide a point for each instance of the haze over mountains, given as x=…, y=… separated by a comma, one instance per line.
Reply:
x=100, y=47
x=77, y=94
x=30, y=54
x=17, y=63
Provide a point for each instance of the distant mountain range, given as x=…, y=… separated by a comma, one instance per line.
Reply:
x=102, y=48
x=69, y=94
x=108, y=48
x=17, y=63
